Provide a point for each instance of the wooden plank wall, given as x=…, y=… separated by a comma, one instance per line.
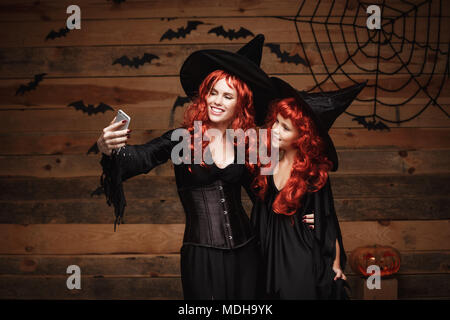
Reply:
x=392, y=187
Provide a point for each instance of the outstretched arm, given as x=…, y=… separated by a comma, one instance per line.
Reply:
x=130, y=161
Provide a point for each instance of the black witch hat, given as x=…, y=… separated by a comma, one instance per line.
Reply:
x=244, y=64
x=323, y=108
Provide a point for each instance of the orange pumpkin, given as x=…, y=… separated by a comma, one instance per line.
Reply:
x=387, y=258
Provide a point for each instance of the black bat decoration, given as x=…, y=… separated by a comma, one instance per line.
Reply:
x=57, y=34
x=231, y=34
x=285, y=56
x=93, y=149
x=181, y=32
x=371, y=125
x=30, y=85
x=136, y=61
x=97, y=192
x=181, y=101
x=90, y=109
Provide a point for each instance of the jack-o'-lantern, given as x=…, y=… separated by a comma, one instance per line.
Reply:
x=385, y=257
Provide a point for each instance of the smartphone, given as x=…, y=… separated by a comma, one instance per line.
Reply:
x=122, y=116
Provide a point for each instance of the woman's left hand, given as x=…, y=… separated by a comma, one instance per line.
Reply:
x=309, y=219
x=339, y=273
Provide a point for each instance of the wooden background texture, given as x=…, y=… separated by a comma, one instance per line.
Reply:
x=392, y=187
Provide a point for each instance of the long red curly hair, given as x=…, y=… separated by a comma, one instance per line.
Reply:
x=244, y=116
x=310, y=168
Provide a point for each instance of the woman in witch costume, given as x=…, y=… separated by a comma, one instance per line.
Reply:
x=219, y=256
x=300, y=261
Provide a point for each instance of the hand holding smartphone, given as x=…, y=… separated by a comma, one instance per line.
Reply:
x=122, y=116
x=119, y=118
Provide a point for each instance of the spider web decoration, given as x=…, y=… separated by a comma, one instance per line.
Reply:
x=390, y=47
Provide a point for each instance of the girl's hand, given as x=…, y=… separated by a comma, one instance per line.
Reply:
x=309, y=218
x=112, y=138
x=339, y=273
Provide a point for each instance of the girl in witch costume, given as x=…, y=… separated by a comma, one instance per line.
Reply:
x=300, y=261
x=219, y=257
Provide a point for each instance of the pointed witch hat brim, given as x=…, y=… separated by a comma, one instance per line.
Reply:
x=243, y=64
x=323, y=108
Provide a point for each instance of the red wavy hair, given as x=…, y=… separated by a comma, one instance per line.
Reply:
x=310, y=168
x=244, y=116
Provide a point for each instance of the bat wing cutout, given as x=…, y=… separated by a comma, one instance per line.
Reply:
x=136, y=61
x=181, y=32
x=93, y=149
x=285, y=56
x=231, y=33
x=371, y=125
x=97, y=192
x=57, y=34
x=179, y=102
x=30, y=85
x=90, y=109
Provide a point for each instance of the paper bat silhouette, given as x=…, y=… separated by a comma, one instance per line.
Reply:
x=285, y=56
x=31, y=85
x=90, y=109
x=371, y=125
x=97, y=192
x=93, y=149
x=136, y=61
x=181, y=32
x=57, y=34
x=231, y=34
x=178, y=103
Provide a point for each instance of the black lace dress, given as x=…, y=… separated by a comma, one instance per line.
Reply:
x=220, y=256
x=298, y=260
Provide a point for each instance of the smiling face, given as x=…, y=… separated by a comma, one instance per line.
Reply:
x=285, y=133
x=221, y=102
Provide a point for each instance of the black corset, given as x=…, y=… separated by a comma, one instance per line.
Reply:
x=215, y=216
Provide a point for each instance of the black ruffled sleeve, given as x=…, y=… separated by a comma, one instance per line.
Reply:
x=326, y=231
x=130, y=161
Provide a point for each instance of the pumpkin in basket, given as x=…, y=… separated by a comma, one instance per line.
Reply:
x=385, y=257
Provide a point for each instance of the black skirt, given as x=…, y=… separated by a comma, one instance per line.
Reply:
x=221, y=274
